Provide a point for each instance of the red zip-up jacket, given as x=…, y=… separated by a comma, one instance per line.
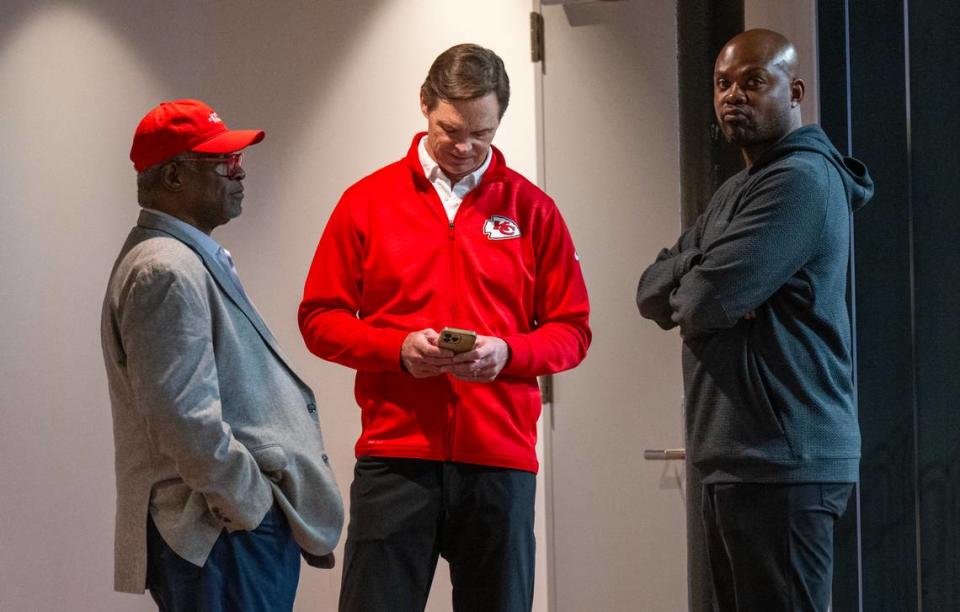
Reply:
x=390, y=263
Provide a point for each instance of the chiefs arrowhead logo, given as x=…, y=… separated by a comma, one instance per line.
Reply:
x=501, y=228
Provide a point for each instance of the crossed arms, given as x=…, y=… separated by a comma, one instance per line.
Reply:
x=704, y=286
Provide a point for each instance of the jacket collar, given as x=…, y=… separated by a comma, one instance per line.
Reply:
x=220, y=275
x=495, y=172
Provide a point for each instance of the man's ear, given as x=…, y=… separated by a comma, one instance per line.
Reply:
x=797, y=90
x=170, y=177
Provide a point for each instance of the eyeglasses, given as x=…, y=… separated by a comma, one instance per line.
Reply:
x=231, y=163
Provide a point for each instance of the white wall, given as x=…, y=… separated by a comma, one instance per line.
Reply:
x=797, y=20
x=611, y=157
x=335, y=86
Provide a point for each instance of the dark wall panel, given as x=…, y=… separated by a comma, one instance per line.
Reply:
x=864, y=105
x=878, y=121
x=834, y=119
x=935, y=185
x=706, y=159
x=703, y=27
x=893, y=104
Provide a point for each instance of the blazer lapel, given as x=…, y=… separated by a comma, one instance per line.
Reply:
x=223, y=280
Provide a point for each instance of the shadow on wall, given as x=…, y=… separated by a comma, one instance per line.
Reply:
x=194, y=49
x=66, y=202
x=333, y=82
x=258, y=65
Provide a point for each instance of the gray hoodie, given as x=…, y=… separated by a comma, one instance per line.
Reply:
x=770, y=398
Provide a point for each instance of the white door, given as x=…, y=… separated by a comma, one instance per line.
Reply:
x=610, y=158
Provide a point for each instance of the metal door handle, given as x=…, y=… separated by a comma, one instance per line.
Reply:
x=665, y=454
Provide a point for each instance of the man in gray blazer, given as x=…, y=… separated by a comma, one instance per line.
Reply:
x=222, y=478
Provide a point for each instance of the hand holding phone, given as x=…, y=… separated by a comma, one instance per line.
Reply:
x=482, y=363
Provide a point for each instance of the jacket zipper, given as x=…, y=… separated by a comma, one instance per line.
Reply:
x=451, y=406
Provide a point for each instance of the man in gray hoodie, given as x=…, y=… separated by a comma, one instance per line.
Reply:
x=758, y=289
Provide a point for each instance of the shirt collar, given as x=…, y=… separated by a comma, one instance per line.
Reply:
x=434, y=173
x=204, y=241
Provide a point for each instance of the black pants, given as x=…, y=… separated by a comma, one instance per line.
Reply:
x=248, y=571
x=404, y=513
x=771, y=545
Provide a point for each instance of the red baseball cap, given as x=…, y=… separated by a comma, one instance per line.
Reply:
x=185, y=125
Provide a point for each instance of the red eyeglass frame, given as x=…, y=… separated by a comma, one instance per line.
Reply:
x=233, y=162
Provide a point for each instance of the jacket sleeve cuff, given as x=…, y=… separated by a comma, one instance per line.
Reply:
x=387, y=347
x=697, y=310
x=684, y=262
x=521, y=355
x=250, y=512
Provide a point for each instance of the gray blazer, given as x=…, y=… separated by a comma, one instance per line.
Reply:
x=211, y=425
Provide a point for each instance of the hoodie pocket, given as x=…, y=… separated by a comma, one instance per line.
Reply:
x=769, y=436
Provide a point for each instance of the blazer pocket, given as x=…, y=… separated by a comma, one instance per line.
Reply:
x=272, y=460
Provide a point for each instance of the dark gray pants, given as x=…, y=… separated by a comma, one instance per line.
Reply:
x=771, y=545
x=405, y=513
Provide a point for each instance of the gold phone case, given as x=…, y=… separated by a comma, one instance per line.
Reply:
x=457, y=340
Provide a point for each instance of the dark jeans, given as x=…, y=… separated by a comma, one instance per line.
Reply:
x=247, y=571
x=771, y=545
x=405, y=513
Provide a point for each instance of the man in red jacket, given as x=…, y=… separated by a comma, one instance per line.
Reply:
x=449, y=236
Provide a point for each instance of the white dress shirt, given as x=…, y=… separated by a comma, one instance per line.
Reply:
x=450, y=195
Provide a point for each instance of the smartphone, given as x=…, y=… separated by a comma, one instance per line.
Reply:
x=457, y=340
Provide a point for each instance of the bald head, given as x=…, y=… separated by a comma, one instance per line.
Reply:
x=756, y=92
x=765, y=47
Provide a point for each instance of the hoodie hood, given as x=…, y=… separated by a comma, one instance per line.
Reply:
x=811, y=138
